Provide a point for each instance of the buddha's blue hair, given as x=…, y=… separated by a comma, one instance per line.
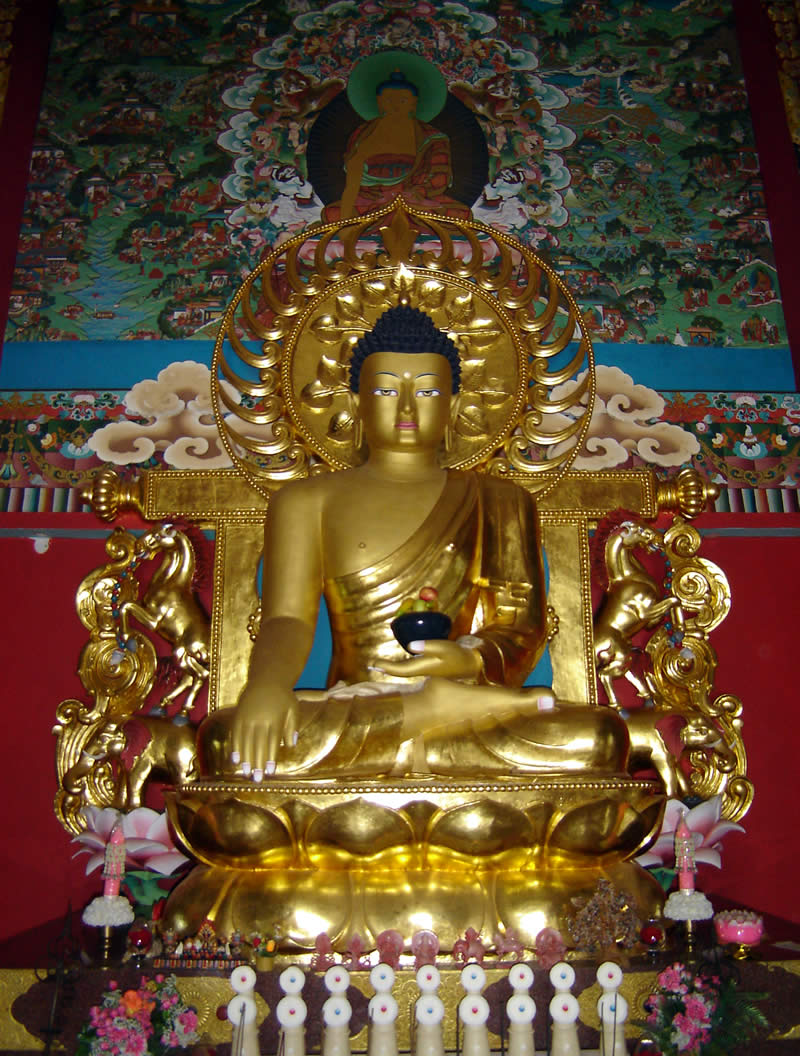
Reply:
x=404, y=329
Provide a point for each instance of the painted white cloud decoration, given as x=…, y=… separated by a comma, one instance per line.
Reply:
x=179, y=422
x=624, y=423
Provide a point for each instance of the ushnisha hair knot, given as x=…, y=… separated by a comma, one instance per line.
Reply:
x=406, y=330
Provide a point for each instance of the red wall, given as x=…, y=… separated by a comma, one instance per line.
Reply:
x=758, y=647
x=759, y=651
x=42, y=638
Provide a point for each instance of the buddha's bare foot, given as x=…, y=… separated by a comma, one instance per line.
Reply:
x=514, y=731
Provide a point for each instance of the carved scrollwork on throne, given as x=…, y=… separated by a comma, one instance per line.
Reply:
x=118, y=668
x=706, y=756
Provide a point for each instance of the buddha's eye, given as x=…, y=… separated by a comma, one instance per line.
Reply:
x=384, y=392
x=429, y=392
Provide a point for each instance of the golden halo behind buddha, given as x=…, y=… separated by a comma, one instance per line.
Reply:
x=285, y=345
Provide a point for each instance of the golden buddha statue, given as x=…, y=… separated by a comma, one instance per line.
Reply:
x=370, y=536
x=392, y=390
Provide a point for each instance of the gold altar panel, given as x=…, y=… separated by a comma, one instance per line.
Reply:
x=176, y=493
x=592, y=494
x=566, y=550
x=235, y=608
x=223, y=494
x=13, y=1036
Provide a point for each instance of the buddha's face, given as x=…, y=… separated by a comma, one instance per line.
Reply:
x=398, y=102
x=404, y=400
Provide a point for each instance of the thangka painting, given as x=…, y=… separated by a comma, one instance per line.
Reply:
x=178, y=141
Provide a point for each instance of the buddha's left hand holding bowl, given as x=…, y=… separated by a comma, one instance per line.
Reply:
x=436, y=657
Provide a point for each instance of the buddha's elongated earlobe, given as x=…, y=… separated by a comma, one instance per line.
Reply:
x=449, y=429
x=358, y=425
x=448, y=438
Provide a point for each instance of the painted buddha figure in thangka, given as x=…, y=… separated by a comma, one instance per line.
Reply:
x=396, y=151
x=365, y=539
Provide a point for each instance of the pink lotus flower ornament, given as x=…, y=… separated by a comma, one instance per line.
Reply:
x=148, y=843
x=703, y=821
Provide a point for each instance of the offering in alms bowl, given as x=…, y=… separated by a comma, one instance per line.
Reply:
x=740, y=926
x=417, y=619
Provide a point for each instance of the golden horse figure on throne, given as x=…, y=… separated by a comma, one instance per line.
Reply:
x=397, y=423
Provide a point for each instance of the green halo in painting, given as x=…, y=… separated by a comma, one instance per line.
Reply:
x=375, y=69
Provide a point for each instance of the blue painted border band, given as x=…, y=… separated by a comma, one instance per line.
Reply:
x=120, y=364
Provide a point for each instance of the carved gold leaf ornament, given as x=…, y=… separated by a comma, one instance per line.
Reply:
x=683, y=675
x=517, y=327
x=118, y=666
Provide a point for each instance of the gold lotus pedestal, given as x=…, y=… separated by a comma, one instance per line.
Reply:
x=297, y=858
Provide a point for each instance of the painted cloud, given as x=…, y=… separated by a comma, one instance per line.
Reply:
x=624, y=423
x=179, y=422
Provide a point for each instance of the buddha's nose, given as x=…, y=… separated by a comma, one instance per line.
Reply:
x=406, y=407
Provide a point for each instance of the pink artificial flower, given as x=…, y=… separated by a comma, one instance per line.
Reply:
x=671, y=979
x=683, y=1032
x=148, y=843
x=550, y=948
x=188, y=1020
x=696, y=1008
x=135, y=1044
x=705, y=825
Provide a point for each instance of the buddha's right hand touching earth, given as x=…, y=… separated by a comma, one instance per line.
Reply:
x=265, y=718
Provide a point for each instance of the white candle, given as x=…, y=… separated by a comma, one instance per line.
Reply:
x=521, y=1011
x=291, y=1012
x=336, y=1014
x=564, y=1013
x=613, y=1009
x=429, y=1013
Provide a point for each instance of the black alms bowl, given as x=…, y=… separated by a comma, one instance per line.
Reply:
x=419, y=626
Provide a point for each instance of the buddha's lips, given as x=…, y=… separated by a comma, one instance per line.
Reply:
x=407, y=425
